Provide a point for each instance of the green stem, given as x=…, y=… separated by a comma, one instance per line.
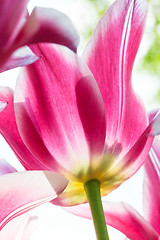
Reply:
x=92, y=189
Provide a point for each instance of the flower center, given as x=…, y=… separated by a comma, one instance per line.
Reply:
x=104, y=169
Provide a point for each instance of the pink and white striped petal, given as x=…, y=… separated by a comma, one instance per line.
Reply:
x=110, y=55
x=43, y=25
x=62, y=107
x=122, y=217
x=21, y=57
x=134, y=159
x=23, y=191
x=151, y=197
x=12, y=18
x=8, y=129
x=48, y=25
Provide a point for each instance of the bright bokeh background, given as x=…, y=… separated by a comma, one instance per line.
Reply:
x=54, y=222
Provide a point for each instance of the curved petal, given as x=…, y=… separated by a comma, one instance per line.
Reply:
x=23, y=191
x=12, y=13
x=23, y=223
x=12, y=19
x=48, y=25
x=63, y=107
x=19, y=58
x=110, y=56
x=5, y=167
x=43, y=25
x=122, y=217
x=136, y=156
x=8, y=129
x=152, y=186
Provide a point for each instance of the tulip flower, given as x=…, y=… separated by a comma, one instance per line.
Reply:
x=79, y=117
x=17, y=30
x=124, y=217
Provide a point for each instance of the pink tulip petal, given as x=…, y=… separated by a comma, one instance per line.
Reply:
x=8, y=128
x=12, y=13
x=49, y=25
x=110, y=55
x=122, y=217
x=44, y=25
x=12, y=230
x=23, y=191
x=5, y=167
x=152, y=186
x=63, y=105
x=19, y=58
x=134, y=159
